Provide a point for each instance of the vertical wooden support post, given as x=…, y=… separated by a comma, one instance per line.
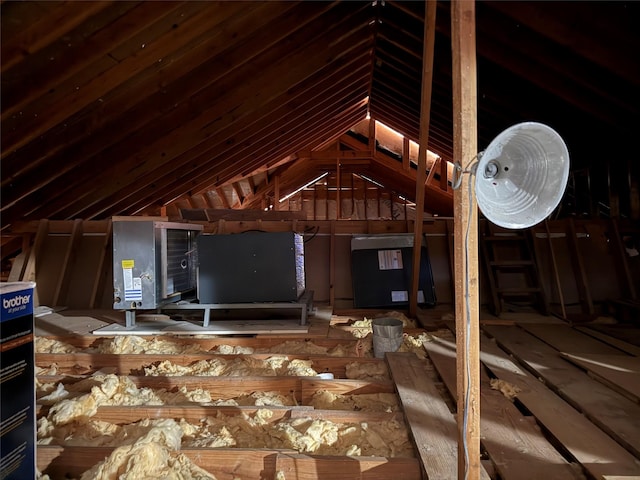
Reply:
x=315, y=200
x=353, y=198
x=634, y=192
x=30, y=270
x=372, y=136
x=406, y=160
x=102, y=269
x=338, y=184
x=404, y=200
x=627, y=285
x=332, y=265
x=326, y=199
x=421, y=176
x=614, y=196
x=555, y=269
x=449, y=229
x=276, y=200
x=364, y=197
x=433, y=169
x=463, y=39
x=60, y=294
x=444, y=175
x=577, y=261
x=223, y=198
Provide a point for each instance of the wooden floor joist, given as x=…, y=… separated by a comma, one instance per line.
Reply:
x=134, y=364
x=571, y=424
x=300, y=388
x=233, y=463
x=229, y=463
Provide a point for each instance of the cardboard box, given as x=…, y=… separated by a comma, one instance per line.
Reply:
x=17, y=382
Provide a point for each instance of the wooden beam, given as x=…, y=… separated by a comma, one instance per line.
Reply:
x=425, y=113
x=71, y=462
x=432, y=171
x=207, y=200
x=503, y=424
x=239, y=192
x=564, y=423
x=444, y=184
x=52, y=114
x=296, y=132
x=406, y=161
x=336, y=153
x=223, y=197
x=372, y=135
x=338, y=185
x=464, y=77
x=34, y=253
x=102, y=269
x=67, y=264
x=252, y=184
x=554, y=264
x=432, y=424
x=627, y=283
x=365, y=187
x=332, y=266
x=315, y=200
x=33, y=37
x=577, y=261
x=116, y=20
x=278, y=147
x=326, y=198
x=276, y=189
x=175, y=143
x=353, y=196
x=558, y=22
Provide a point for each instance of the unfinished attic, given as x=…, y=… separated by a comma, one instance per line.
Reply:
x=210, y=214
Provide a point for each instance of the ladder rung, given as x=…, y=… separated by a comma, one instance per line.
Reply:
x=492, y=238
x=518, y=291
x=511, y=263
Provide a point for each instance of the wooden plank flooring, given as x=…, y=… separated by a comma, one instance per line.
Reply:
x=618, y=372
x=433, y=426
x=567, y=339
x=620, y=344
x=612, y=412
x=597, y=453
x=569, y=420
x=516, y=447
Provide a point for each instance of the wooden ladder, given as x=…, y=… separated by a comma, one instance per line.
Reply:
x=511, y=270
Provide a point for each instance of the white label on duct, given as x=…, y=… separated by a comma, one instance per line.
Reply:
x=399, y=296
x=390, y=259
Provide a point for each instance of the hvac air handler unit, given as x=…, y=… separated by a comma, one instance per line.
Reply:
x=154, y=264
x=251, y=267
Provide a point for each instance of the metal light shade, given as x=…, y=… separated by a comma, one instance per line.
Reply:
x=522, y=175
